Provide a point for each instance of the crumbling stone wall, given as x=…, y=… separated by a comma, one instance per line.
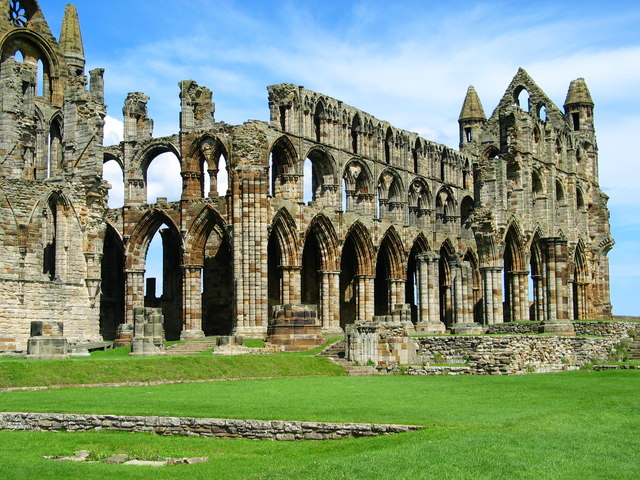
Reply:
x=204, y=427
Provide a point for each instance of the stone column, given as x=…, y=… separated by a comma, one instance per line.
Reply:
x=520, y=295
x=330, y=302
x=192, y=302
x=433, y=288
x=213, y=182
x=134, y=292
x=463, y=299
x=492, y=294
x=557, y=311
x=538, y=298
x=396, y=292
x=291, y=284
x=365, y=300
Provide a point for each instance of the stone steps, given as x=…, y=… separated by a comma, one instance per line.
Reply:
x=190, y=347
x=634, y=350
x=334, y=350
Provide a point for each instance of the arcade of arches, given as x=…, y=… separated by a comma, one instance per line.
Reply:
x=381, y=224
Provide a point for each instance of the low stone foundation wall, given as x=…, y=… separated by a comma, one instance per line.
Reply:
x=203, y=427
x=515, y=354
x=606, y=329
x=597, y=329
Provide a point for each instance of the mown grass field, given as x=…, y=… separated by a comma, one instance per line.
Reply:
x=115, y=366
x=548, y=426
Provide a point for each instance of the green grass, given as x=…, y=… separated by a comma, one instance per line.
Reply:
x=114, y=367
x=549, y=426
x=253, y=343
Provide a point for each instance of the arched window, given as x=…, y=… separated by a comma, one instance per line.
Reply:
x=163, y=178
x=112, y=173
x=55, y=156
x=559, y=192
x=388, y=146
x=416, y=154
x=579, y=198
x=536, y=184
x=40, y=87
x=318, y=119
x=355, y=132
x=522, y=98
x=542, y=113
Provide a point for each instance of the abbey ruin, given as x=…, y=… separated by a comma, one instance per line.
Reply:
x=512, y=226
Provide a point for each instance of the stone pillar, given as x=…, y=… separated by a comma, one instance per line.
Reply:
x=492, y=294
x=291, y=284
x=538, y=297
x=433, y=288
x=192, y=302
x=330, y=302
x=365, y=300
x=134, y=293
x=190, y=184
x=396, y=292
x=463, y=299
x=557, y=305
x=520, y=295
x=213, y=182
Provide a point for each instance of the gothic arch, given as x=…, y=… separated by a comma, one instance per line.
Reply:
x=284, y=228
x=323, y=172
x=515, y=274
x=34, y=47
x=325, y=235
x=361, y=238
x=208, y=220
x=150, y=151
x=145, y=229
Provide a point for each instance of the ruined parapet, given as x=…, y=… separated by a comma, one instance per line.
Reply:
x=47, y=341
x=148, y=334
x=137, y=124
x=197, y=107
x=295, y=327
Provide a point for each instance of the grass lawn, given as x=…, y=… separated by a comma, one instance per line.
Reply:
x=116, y=366
x=548, y=426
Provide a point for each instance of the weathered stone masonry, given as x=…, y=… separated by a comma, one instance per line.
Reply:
x=397, y=225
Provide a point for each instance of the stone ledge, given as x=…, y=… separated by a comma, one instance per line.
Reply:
x=203, y=427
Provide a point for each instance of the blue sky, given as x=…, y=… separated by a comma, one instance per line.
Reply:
x=409, y=63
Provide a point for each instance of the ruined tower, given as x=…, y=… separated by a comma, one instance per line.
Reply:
x=51, y=188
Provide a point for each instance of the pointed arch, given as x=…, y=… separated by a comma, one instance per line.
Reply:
x=358, y=187
x=445, y=277
x=283, y=158
x=208, y=220
x=514, y=271
x=112, y=291
x=144, y=232
x=580, y=283
x=413, y=287
x=319, y=118
x=476, y=286
x=284, y=229
x=537, y=278
x=389, y=288
x=322, y=228
x=323, y=181
x=356, y=130
x=364, y=250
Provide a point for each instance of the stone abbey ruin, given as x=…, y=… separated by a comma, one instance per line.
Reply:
x=400, y=230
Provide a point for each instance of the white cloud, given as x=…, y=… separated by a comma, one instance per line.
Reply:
x=113, y=131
